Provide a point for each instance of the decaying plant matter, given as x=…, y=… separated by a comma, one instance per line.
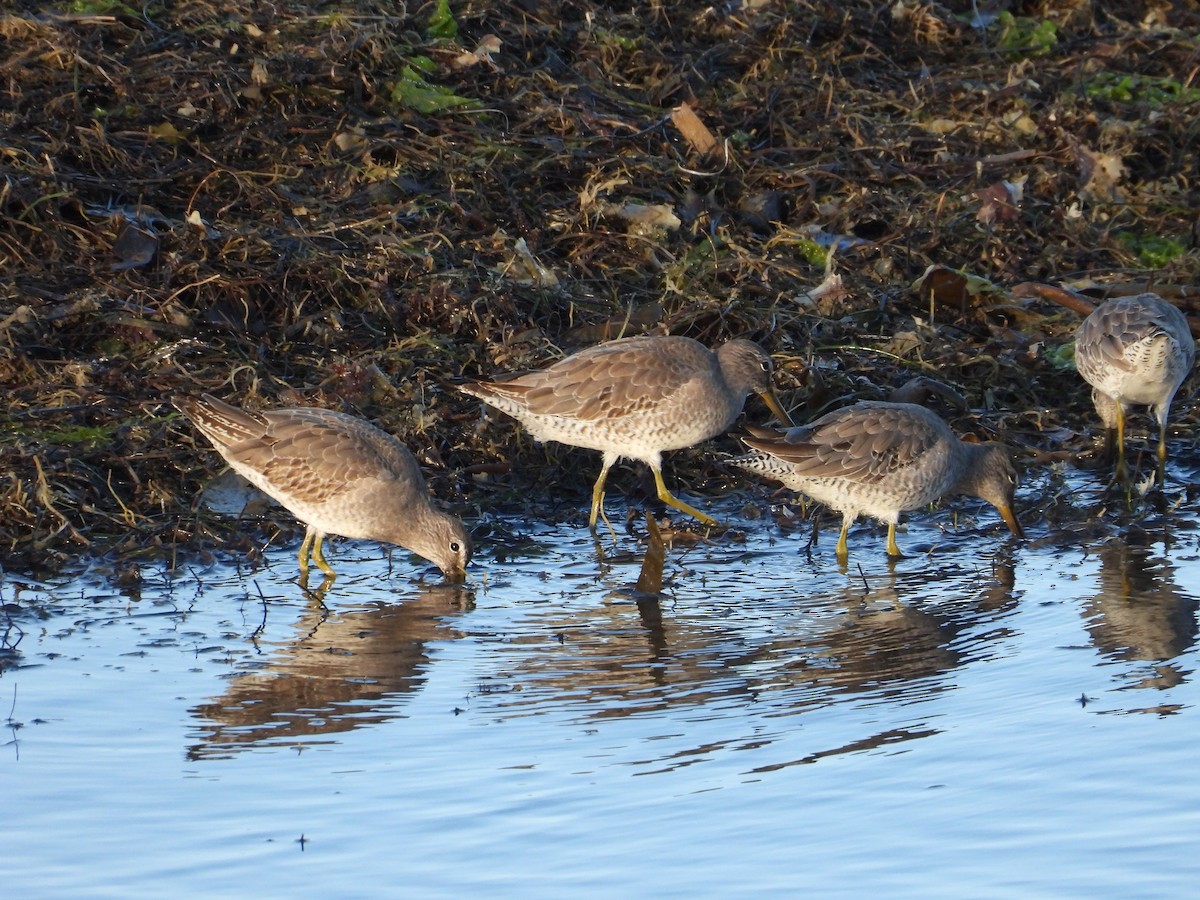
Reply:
x=357, y=204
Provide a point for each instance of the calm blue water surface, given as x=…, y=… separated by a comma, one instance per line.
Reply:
x=985, y=718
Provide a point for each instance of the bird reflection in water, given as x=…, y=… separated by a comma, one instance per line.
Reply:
x=1139, y=613
x=895, y=637
x=340, y=670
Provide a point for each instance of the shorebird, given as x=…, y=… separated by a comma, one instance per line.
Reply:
x=1134, y=351
x=882, y=459
x=335, y=473
x=634, y=398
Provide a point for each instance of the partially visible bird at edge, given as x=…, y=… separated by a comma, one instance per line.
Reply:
x=635, y=398
x=1134, y=351
x=337, y=474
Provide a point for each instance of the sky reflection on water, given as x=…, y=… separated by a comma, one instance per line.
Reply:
x=958, y=723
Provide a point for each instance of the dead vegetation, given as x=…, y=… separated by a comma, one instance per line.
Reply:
x=358, y=204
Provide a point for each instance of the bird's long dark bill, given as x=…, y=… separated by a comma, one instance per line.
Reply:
x=1010, y=519
x=777, y=408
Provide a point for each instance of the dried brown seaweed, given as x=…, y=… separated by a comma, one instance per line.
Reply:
x=354, y=205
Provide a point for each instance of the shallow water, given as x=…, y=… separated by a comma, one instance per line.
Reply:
x=985, y=718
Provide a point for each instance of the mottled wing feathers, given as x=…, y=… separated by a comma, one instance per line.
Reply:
x=221, y=423
x=1105, y=337
x=311, y=454
x=315, y=454
x=865, y=442
x=607, y=381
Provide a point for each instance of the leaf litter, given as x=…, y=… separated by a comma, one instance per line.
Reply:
x=357, y=205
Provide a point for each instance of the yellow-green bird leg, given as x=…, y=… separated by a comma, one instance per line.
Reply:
x=312, y=545
x=668, y=498
x=305, y=547
x=319, y=557
x=892, y=548
x=598, y=498
x=843, y=551
x=1121, y=472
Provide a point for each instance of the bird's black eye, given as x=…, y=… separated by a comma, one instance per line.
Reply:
x=454, y=547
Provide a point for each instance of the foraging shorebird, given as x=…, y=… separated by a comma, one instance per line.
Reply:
x=335, y=473
x=634, y=398
x=882, y=459
x=1134, y=351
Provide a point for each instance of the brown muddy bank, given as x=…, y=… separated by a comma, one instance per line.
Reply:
x=358, y=204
